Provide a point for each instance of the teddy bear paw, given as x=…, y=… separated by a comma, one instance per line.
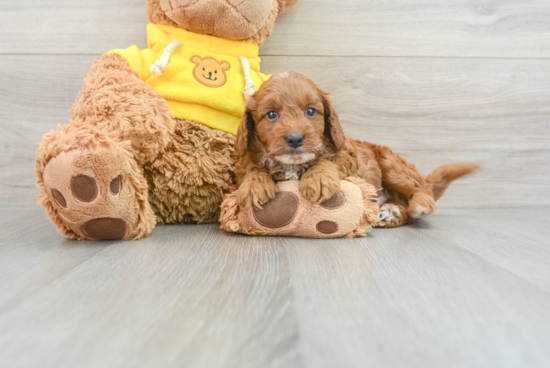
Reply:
x=94, y=194
x=284, y=209
x=342, y=215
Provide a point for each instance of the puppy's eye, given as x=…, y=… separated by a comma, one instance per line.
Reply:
x=215, y=71
x=203, y=69
x=310, y=112
x=272, y=115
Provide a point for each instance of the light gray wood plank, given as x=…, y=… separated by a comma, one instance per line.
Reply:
x=33, y=255
x=516, y=240
x=188, y=295
x=460, y=28
x=413, y=297
x=196, y=296
x=11, y=213
x=71, y=27
x=439, y=28
x=431, y=111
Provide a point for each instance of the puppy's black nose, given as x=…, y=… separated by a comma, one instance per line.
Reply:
x=295, y=140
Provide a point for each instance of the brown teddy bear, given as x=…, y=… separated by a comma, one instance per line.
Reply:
x=152, y=131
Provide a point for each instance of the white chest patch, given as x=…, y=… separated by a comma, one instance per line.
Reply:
x=292, y=175
x=295, y=159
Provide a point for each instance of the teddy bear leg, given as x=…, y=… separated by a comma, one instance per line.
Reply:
x=188, y=181
x=91, y=186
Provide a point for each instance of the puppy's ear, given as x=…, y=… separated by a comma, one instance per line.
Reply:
x=156, y=15
x=333, y=130
x=247, y=130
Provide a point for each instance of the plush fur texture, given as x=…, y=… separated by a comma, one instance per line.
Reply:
x=114, y=98
x=326, y=156
x=124, y=148
x=188, y=181
x=249, y=20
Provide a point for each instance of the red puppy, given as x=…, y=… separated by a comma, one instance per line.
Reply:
x=290, y=131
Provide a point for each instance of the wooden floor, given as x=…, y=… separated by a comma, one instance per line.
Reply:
x=465, y=288
x=439, y=81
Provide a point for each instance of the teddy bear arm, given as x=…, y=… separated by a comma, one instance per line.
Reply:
x=114, y=98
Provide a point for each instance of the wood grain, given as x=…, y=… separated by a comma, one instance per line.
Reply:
x=71, y=27
x=443, y=290
x=449, y=28
x=522, y=249
x=164, y=300
x=421, y=283
x=431, y=111
x=438, y=28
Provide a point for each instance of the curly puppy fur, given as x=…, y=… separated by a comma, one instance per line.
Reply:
x=290, y=105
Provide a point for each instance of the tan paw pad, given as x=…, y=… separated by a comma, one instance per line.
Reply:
x=59, y=198
x=334, y=202
x=114, y=186
x=278, y=212
x=84, y=188
x=105, y=228
x=327, y=227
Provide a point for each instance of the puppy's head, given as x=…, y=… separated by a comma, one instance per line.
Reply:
x=291, y=120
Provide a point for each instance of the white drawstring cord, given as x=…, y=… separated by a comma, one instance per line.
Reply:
x=160, y=65
x=248, y=89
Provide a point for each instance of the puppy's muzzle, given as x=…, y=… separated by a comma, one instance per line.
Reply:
x=295, y=140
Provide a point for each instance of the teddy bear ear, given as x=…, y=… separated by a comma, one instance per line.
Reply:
x=196, y=59
x=155, y=14
x=284, y=5
x=225, y=65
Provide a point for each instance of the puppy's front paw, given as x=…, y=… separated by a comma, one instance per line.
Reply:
x=256, y=192
x=318, y=187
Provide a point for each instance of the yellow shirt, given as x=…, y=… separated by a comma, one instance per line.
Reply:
x=204, y=78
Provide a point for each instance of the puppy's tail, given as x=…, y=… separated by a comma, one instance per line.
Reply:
x=440, y=179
